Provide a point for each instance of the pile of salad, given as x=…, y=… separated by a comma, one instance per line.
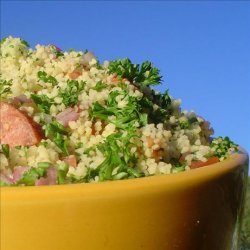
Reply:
x=67, y=118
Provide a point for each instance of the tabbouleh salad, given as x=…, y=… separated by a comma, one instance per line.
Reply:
x=67, y=118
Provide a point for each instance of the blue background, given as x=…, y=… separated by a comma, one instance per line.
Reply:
x=201, y=48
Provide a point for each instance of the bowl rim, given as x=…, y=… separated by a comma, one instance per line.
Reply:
x=137, y=185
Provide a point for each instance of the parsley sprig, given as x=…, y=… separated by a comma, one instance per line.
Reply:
x=144, y=74
x=157, y=106
x=43, y=102
x=34, y=173
x=57, y=133
x=5, y=88
x=70, y=94
x=125, y=117
x=118, y=155
x=5, y=149
x=58, y=52
x=223, y=147
x=100, y=86
x=44, y=77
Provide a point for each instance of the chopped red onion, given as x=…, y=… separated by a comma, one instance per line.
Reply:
x=50, y=178
x=66, y=116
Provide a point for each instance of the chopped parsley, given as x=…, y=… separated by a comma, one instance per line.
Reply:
x=125, y=117
x=3, y=40
x=62, y=170
x=44, y=77
x=43, y=102
x=100, y=86
x=4, y=184
x=185, y=124
x=70, y=94
x=25, y=43
x=118, y=155
x=5, y=149
x=5, y=88
x=157, y=106
x=31, y=175
x=143, y=75
x=58, y=52
x=178, y=167
x=57, y=133
x=222, y=147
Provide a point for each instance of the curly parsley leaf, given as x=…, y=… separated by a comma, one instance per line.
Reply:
x=3, y=40
x=187, y=123
x=44, y=77
x=223, y=147
x=70, y=94
x=5, y=88
x=57, y=133
x=123, y=117
x=178, y=167
x=62, y=171
x=5, y=149
x=118, y=155
x=157, y=106
x=143, y=75
x=100, y=86
x=25, y=43
x=58, y=52
x=148, y=74
x=43, y=102
x=30, y=176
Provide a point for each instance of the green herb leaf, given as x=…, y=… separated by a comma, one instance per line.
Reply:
x=58, y=134
x=5, y=149
x=43, y=164
x=3, y=40
x=125, y=117
x=148, y=75
x=144, y=74
x=62, y=171
x=71, y=92
x=100, y=86
x=56, y=51
x=118, y=155
x=30, y=176
x=178, y=167
x=25, y=43
x=5, y=88
x=223, y=147
x=43, y=102
x=4, y=184
x=184, y=124
x=157, y=106
x=44, y=77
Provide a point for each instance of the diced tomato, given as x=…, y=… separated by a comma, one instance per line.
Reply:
x=71, y=160
x=199, y=164
x=74, y=74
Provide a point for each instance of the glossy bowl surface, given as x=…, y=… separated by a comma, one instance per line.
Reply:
x=198, y=209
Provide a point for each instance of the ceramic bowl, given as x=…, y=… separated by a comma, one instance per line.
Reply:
x=197, y=209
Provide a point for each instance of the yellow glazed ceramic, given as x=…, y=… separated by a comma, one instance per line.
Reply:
x=198, y=209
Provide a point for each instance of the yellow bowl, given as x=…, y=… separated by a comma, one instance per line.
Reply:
x=198, y=209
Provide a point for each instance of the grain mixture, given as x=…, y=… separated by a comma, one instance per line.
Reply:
x=67, y=118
